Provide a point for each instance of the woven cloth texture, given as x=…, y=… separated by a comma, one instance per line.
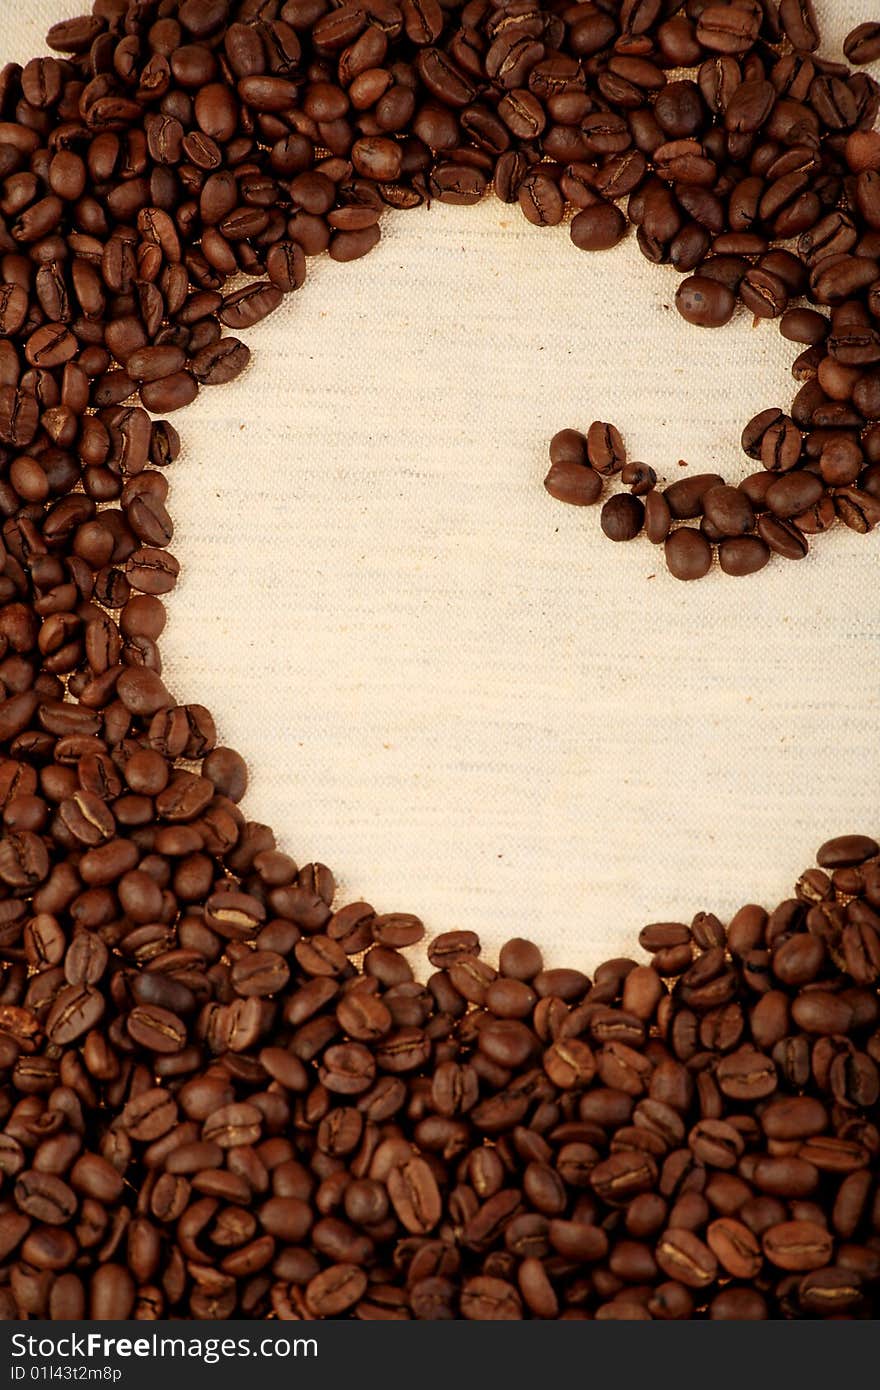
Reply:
x=456, y=691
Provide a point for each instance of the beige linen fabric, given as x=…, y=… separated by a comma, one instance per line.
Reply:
x=455, y=691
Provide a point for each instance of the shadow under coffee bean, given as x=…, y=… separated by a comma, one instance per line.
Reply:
x=225, y=1094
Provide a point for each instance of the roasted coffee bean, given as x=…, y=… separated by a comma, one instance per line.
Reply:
x=847, y=850
x=793, y=494
x=735, y=1247
x=705, y=302
x=414, y=1195
x=247, y=306
x=156, y=1029
x=622, y=517
x=798, y=1245
x=45, y=1197
x=728, y=509
x=598, y=227
x=742, y=555
x=605, y=448
x=335, y=1289
x=685, y=498
x=575, y=483
x=233, y=1125
x=684, y=1257
x=688, y=554
x=487, y=1299
x=862, y=44
x=220, y=362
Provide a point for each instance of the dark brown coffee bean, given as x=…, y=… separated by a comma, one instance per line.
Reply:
x=605, y=448
x=684, y=1257
x=598, y=227
x=794, y=493
x=220, y=362
x=574, y=483
x=45, y=1197
x=233, y=1125
x=688, y=554
x=247, y=306
x=156, y=1029
x=149, y=1115
x=415, y=1196
x=862, y=44
x=623, y=1176
x=76, y=1009
x=798, y=1246
x=728, y=509
x=742, y=555
x=622, y=517
x=685, y=498
x=781, y=446
x=704, y=302
x=540, y=200
x=846, y=850
x=782, y=537
x=486, y=1299
x=335, y=1289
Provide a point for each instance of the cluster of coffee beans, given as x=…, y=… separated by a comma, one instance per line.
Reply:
x=769, y=512
x=221, y=1093
x=821, y=461
x=223, y=1098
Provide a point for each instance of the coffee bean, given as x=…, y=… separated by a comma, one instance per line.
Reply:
x=605, y=448
x=846, y=850
x=862, y=44
x=570, y=1063
x=415, y=1196
x=704, y=302
x=741, y=555
x=156, y=1029
x=75, y=1010
x=798, y=1245
x=45, y=1197
x=247, y=306
x=540, y=200
x=220, y=362
x=688, y=554
x=728, y=509
x=623, y=1176
x=684, y=1257
x=685, y=498
x=149, y=1115
x=782, y=537
x=233, y=1125
x=658, y=518
x=598, y=228
x=486, y=1299
x=335, y=1289
x=350, y=246
x=735, y=1247
x=793, y=494
x=574, y=483
x=622, y=517
x=569, y=447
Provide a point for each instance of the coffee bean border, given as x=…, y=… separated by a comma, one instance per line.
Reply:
x=224, y=1094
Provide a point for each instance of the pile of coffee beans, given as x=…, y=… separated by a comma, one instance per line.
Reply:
x=759, y=151
x=222, y=1093
x=718, y=209
x=224, y=1098
x=769, y=512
